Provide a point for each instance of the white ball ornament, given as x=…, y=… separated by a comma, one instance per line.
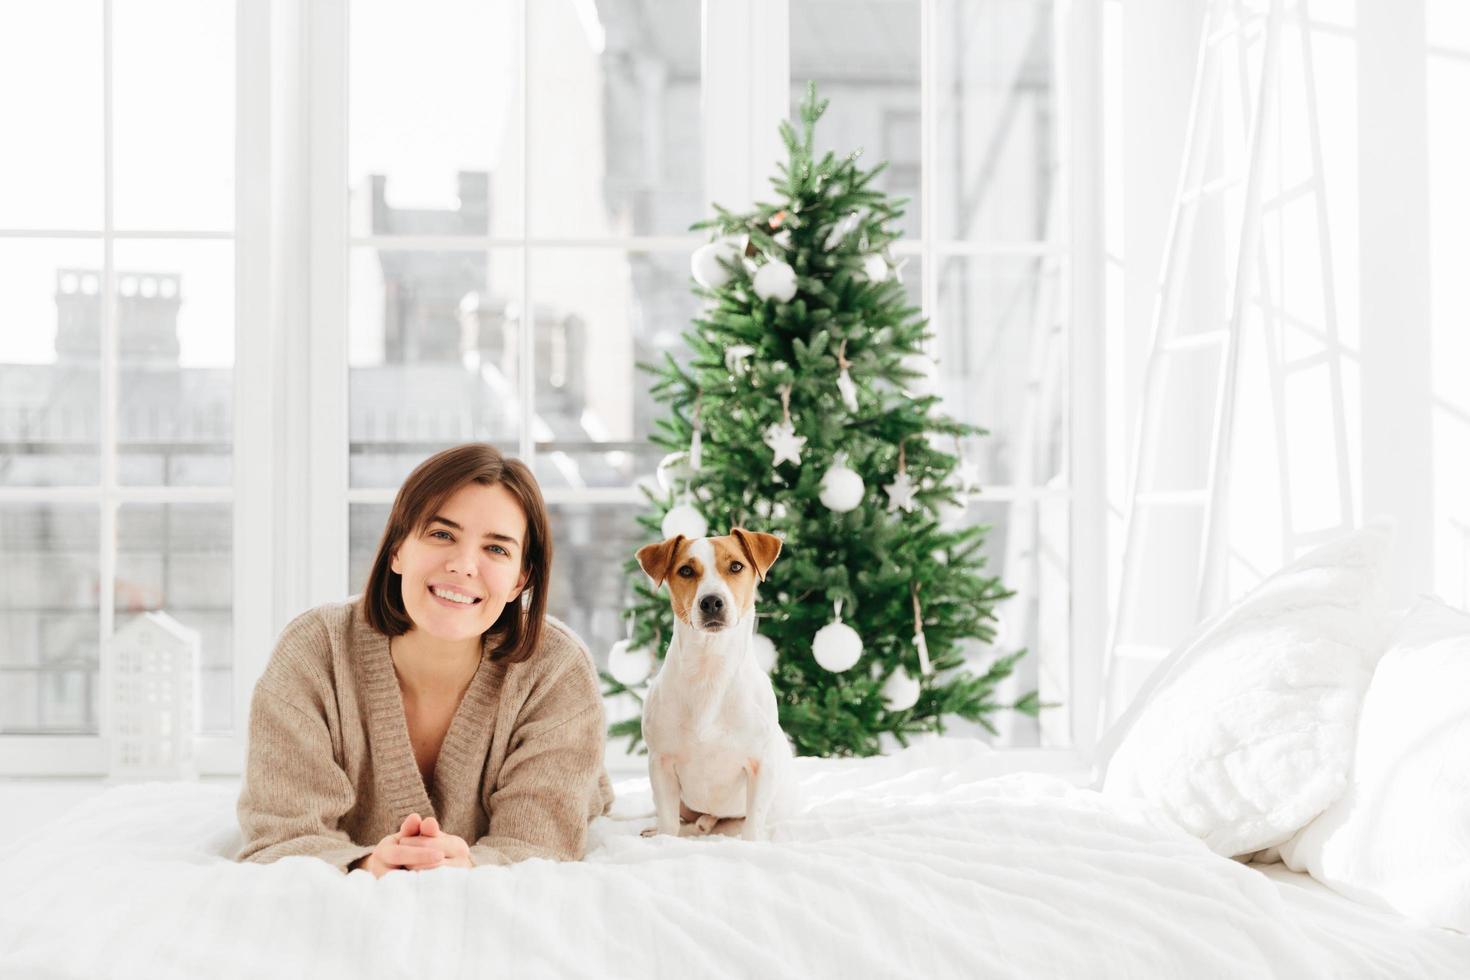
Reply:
x=900, y=691
x=684, y=519
x=842, y=488
x=706, y=264
x=875, y=267
x=927, y=382
x=764, y=652
x=837, y=647
x=629, y=665
x=775, y=280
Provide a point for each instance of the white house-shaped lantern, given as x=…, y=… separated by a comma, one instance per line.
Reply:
x=152, y=696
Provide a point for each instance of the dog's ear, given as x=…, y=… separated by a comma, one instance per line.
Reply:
x=658, y=559
x=761, y=548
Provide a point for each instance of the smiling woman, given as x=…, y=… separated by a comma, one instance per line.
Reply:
x=442, y=718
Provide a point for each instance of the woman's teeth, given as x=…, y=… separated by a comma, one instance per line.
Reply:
x=464, y=600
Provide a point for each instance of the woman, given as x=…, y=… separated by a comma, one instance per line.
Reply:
x=442, y=719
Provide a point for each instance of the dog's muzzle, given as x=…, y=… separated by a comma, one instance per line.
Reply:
x=712, y=613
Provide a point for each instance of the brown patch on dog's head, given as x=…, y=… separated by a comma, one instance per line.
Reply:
x=657, y=560
x=759, y=547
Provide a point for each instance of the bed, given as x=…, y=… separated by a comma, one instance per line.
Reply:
x=922, y=863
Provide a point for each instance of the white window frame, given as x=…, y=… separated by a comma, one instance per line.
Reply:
x=248, y=496
x=291, y=494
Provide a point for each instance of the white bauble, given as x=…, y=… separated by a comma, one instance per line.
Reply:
x=684, y=519
x=927, y=382
x=842, y=488
x=875, y=267
x=674, y=470
x=837, y=647
x=764, y=652
x=705, y=264
x=900, y=691
x=628, y=664
x=775, y=280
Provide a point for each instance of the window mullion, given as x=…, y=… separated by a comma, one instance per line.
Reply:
x=107, y=400
x=324, y=409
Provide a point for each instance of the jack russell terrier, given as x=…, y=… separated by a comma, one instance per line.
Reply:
x=717, y=756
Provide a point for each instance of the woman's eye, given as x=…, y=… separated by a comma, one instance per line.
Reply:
x=446, y=537
x=497, y=549
x=686, y=572
x=735, y=566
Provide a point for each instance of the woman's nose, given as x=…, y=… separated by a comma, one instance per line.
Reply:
x=462, y=561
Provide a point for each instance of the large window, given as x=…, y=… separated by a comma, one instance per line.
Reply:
x=117, y=333
x=248, y=281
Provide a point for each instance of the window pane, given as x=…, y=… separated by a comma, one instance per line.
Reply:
x=173, y=105
x=176, y=355
x=589, y=587
x=1027, y=547
x=48, y=618
x=434, y=120
x=615, y=130
x=864, y=56
x=51, y=169
x=434, y=353
x=178, y=558
x=995, y=172
x=365, y=523
x=600, y=312
x=50, y=339
x=1002, y=363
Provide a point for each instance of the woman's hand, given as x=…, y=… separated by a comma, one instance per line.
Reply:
x=394, y=851
x=431, y=838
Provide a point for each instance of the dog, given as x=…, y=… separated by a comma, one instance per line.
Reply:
x=718, y=760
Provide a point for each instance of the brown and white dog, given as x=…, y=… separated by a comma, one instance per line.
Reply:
x=717, y=756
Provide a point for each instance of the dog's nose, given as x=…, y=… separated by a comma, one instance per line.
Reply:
x=711, y=605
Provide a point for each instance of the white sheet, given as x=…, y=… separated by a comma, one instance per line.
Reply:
x=909, y=865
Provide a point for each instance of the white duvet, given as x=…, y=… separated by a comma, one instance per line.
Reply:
x=912, y=865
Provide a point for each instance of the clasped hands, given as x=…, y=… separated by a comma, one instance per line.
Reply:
x=419, y=845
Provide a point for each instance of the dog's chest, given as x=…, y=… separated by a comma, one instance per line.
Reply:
x=688, y=721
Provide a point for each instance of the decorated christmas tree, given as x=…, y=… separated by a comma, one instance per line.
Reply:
x=809, y=409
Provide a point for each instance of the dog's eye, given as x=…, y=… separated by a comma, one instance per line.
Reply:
x=686, y=572
x=735, y=566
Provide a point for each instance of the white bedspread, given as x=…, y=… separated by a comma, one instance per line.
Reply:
x=911, y=865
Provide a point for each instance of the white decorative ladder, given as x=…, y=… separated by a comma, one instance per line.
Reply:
x=1227, y=23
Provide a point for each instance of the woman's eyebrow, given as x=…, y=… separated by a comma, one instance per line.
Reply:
x=489, y=534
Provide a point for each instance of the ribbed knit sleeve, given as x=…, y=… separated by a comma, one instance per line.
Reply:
x=553, y=781
x=294, y=793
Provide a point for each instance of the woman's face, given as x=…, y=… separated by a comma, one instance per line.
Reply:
x=462, y=567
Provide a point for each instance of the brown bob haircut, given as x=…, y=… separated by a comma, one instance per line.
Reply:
x=517, y=632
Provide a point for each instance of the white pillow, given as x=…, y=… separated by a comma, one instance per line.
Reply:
x=1400, y=836
x=1246, y=732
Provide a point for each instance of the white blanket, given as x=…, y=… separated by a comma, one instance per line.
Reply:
x=911, y=865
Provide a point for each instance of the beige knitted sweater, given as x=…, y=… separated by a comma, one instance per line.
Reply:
x=330, y=770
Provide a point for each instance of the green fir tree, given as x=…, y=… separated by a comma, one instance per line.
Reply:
x=844, y=336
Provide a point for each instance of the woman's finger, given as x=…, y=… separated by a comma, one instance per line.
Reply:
x=429, y=828
x=411, y=825
x=406, y=856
